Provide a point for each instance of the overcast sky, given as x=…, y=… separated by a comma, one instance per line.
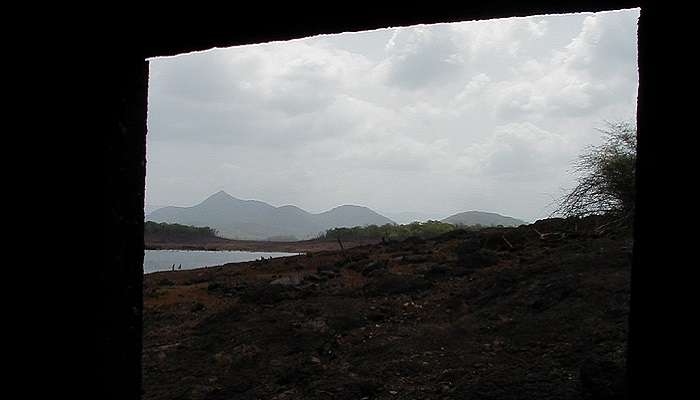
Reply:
x=480, y=115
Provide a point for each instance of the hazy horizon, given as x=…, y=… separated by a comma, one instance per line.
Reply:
x=430, y=119
x=401, y=215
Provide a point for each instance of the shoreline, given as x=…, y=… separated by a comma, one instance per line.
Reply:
x=306, y=246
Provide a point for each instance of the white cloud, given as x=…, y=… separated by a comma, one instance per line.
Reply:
x=468, y=109
x=473, y=88
x=585, y=76
x=519, y=149
x=421, y=56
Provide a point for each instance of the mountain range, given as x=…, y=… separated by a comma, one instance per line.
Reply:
x=482, y=218
x=256, y=220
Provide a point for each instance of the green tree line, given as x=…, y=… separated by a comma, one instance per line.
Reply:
x=177, y=230
x=423, y=230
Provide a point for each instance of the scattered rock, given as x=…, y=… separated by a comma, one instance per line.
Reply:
x=374, y=266
x=328, y=274
x=415, y=258
x=201, y=391
x=223, y=359
x=244, y=352
x=312, y=278
x=425, y=268
x=328, y=269
x=287, y=280
x=318, y=325
x=377, y=272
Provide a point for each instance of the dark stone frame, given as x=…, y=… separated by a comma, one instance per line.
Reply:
x=119, y=340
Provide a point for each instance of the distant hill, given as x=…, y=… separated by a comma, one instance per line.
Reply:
x=149, y=208
x=256, y=220
x=482, y=218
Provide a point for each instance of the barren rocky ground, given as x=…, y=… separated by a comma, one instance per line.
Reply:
x=535, y=312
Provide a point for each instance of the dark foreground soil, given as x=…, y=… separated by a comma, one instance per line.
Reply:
x=496, y=314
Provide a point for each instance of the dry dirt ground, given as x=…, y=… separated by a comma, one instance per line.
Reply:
x=504, y=313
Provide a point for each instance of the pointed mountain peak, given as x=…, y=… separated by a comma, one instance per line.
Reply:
x=218, y=197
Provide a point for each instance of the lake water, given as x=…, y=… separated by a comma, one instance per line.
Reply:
x=163, y=260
